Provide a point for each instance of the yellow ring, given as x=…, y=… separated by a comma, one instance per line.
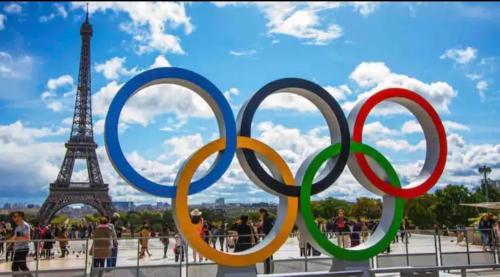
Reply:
x=263, y=249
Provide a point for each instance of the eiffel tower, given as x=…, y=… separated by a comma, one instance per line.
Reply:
x=81, y=145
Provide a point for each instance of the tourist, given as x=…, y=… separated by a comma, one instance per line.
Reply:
x=267, y=224
x=63, y=242
x=404, y=230
x=214, y=235
x=341, y=226
x=485, y=228
x=165, y=233
x=199, y=223
x=111, y=261
x=246, y=236
x=103, y=243
x=37, y=235
x=48, y=242
x=144, y=241
x=21, y=242
x=302, y=243
x=9, y=247
x=357, y=227
x=222, y=233
x=178, y=247
x=2, y=237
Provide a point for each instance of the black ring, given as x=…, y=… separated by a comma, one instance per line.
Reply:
x=319, y=97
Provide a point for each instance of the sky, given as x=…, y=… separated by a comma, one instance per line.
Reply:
x=352, y=50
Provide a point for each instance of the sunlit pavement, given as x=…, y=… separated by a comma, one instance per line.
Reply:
x=128, y=249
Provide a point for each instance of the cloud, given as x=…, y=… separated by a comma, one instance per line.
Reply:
x=400, y=145
x=250, y=52
x=461, y=56
x=376, y=76
x=303, y=20
x=113, y=68
x=13, y=8
x=60, y=93
x=289, y=101
x=19, y=67
x=160, y=61
x=149, y=23
x=481, y=87
x=60, y=10
x=474, y=77
x=3, y=18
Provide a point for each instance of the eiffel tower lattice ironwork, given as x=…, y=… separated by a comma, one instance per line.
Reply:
x=81, y=145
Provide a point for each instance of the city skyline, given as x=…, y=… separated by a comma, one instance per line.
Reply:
x=339, y=46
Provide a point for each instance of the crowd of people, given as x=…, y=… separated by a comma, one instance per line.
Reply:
x=16, y=236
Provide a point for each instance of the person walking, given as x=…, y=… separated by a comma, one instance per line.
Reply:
x=111, y=261
x=103, y=243
x=2, y=238
x=165, y=240
x=357, y=228
x=21, y=240
x=222, y=233
x=48, y=242
x=144, y=240
x=63, y=242
x=246, y=236
x=178, y=248
x=37, y=236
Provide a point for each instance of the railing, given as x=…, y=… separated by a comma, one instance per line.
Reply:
x=415, y=251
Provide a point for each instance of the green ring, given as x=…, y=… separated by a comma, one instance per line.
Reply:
x=307, y=215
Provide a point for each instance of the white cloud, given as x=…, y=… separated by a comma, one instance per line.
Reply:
x=3, y=18
x=250, y=52
x=454, y=126
x=377, y=129
x=481, y=87
x=411, y=126
x=474, y=77
x=339, y=93
x=183, y=146
x=461, y=56
x=113, y=68
x=13, y=8
x=376, y=76
x=231, y=92
x=54, y=98
x=19, y=67
x=303, y=20
x=149, y=23
x=400, y=145
x=60, y=10
x=160, y=61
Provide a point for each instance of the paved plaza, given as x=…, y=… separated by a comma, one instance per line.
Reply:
x=128, y=249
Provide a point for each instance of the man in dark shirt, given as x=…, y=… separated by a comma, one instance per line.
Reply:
x=267, y=224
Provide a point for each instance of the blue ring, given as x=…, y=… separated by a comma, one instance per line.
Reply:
x=112, y=142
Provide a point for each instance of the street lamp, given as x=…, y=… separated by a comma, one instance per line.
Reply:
x=485, y=170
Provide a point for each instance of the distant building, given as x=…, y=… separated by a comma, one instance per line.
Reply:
x=162, y=206
x=219, y=202
x=124, y=206
x=7, y=206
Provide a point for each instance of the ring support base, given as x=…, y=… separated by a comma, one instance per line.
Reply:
x=343, y=265
x=227, y=271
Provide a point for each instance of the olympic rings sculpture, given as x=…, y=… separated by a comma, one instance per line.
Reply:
x=369, y=167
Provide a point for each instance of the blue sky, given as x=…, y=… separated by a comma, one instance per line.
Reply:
x=447, y=52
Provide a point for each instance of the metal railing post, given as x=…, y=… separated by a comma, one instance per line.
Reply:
x=37, y=257
x=440, y=249
x=187, y=257
x=436, y=249
x=467, y=246
x=406, y=248
x=138, y=254
x=86, y=250
x=305, y=259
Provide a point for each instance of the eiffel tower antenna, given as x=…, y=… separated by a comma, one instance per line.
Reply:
x=87, y=14
x=81, y=145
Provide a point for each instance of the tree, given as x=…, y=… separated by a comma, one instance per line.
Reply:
x=420, y=210
x=328, y=207
x=365, y=207
x=448, y=209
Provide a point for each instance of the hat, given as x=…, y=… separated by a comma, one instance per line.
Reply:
x=195, y=212
x=116, y=215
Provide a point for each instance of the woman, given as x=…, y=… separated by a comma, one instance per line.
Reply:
x=48, y=242
x=222, y=235
x=63, y=242
x=199, y=223
x=165, y=233
x=145, y=235
x=341, y=225
x=246, y=236
x=103, y=242
x=485, y=228
x=357, y=227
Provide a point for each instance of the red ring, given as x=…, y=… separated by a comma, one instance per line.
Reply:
x=357, y=136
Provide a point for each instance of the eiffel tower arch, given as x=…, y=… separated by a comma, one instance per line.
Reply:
x=81, y=145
